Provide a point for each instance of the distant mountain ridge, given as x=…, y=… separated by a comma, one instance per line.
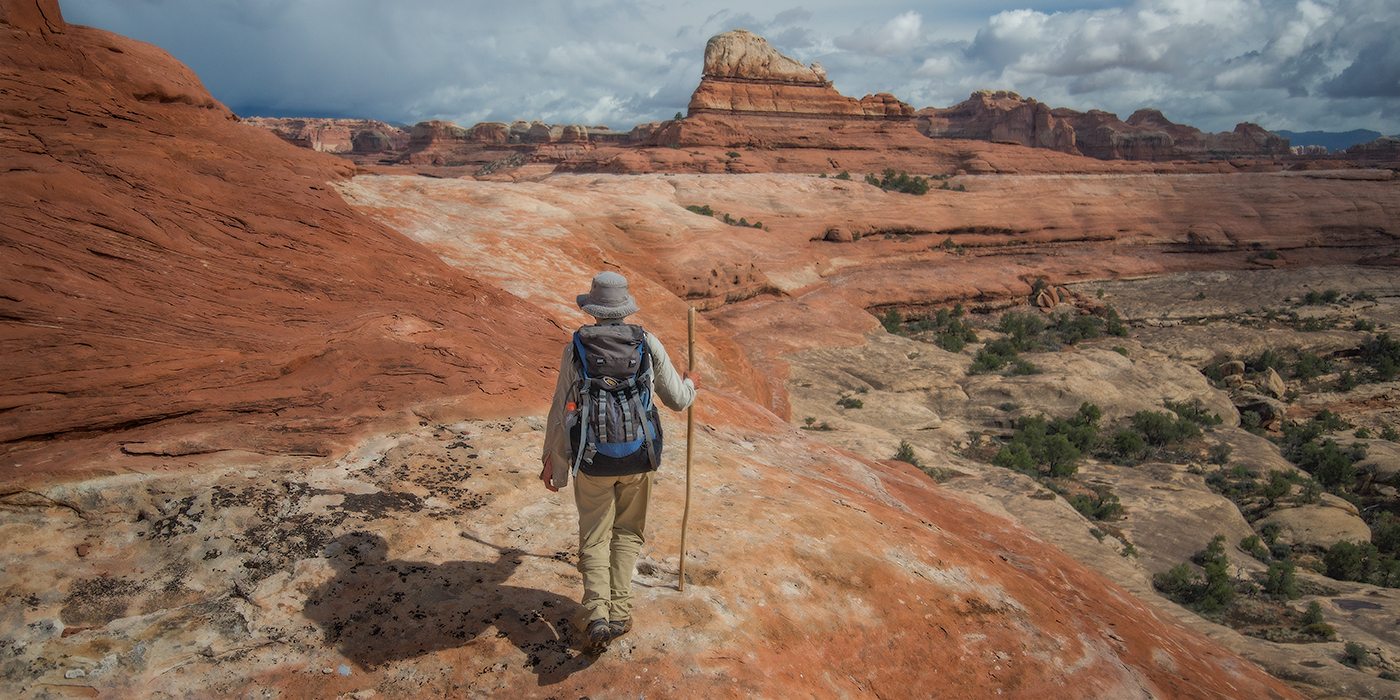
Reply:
x=1333, y=140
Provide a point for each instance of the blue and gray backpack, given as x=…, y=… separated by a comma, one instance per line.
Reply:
x=615, y=430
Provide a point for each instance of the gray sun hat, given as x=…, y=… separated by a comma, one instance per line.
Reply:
x=608, y=298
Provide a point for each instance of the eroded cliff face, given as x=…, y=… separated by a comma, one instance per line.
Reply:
x=1147, y=135
x=744, y=75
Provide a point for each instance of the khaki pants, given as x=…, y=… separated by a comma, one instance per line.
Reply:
x=612, y=517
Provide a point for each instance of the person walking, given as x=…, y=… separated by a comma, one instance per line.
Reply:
x=603, y=431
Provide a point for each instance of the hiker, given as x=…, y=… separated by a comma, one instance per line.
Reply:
x=611, y=486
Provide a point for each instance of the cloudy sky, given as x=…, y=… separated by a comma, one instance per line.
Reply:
x=1304, y=65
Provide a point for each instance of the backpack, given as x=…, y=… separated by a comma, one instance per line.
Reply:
x=615, y=429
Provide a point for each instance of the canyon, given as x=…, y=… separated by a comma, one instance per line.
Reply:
x=272, y=415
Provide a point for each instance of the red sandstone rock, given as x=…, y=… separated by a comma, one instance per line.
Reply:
x=999, y=116
x=743, y=74
x=336, y=135
x=166, y=267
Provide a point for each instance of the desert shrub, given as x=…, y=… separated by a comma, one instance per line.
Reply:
x=1161, y=429
x=1220, y=452
x=1180, y=583
x=1103, y=505
x=993, y=356
x=1114, y=325
x=950, y=342
x=1278, y=486
x=1383, y=356
x=844, y=175
x=1255, y=547
x=900, y=182
x=850, y=402
x=1281, y=580
x=1208, y=594
x=703, y=211
x=906, y=453
x=893, y=321
x=1195, y=412
x=1313, y=623
x=1347, y=381
x=1385, y=533
x=1023, y=330
x=1127, y=445
x=1350, y=561
x=1389, y=433
x=1310, y=366
x=1051, y=446
x=1218, y=590
x=1073, y=328
x=1267, y=360
x=1354, y=654
x=1021, y=368
x=1330, y=464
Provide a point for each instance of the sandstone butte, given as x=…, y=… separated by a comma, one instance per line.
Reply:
x=757, y=110
x=270, y=428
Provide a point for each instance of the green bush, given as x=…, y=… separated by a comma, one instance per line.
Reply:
x=1351, y=561
x=1161, y=429
x=1218, y=590
x=1281, y=581
x=1279, y=485
x=1103, y=505
x=1195, y=412
x=993, y=356
x=900, y=182
x=1383, y=355
x=1267, y=360
x=1354, y=654
x=906, y=453
x=1053, y=447
x=1206, y=595
x=1128, y=445
x=1255, y=547
x=850, y=402
x=1313, y=623
x=1310, y=366
x=893, y=321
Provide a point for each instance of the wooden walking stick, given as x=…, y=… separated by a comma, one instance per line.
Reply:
x=689, y=447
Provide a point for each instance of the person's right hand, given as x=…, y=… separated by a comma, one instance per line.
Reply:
x=694, y=378
x=547, y=475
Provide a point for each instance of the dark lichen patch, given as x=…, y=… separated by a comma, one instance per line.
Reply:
x=93, y=602
x=179, y=517
x=373, y=506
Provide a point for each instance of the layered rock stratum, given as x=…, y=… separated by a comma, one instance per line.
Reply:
x=271, y=427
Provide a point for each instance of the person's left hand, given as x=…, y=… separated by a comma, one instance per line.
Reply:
x=694, y=378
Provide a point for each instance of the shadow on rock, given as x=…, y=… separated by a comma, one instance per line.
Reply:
x=377, y=611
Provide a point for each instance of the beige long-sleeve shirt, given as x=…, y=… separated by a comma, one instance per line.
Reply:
x=675, y=393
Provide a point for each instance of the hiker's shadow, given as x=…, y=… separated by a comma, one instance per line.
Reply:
x=377, y=610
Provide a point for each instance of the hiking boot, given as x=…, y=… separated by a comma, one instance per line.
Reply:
x=620, y=627
x=599, y=634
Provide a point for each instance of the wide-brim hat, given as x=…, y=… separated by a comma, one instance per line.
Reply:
x=608, y=298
